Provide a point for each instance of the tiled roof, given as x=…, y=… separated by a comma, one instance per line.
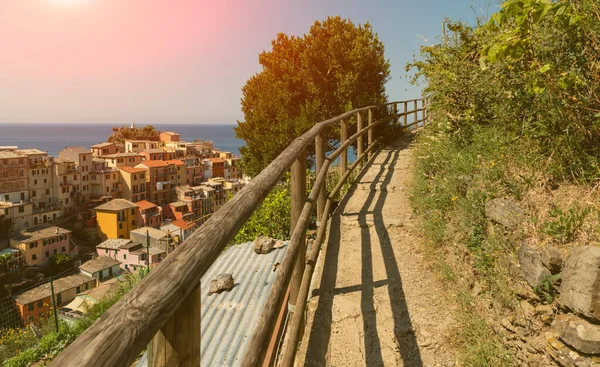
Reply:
x=154, y=163
x=215, y=160
x=116, y=204
x=43, y=291
x=78, y=150
x=113, y=243
x=132, y=169
x=145, y=204
x=183, y=224
x=151, y=151
x=122, y=155
x=99, y=263
x=39, y=234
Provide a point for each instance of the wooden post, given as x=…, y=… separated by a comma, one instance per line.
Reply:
x=320, y=158
x=178, y=342
x=424, y=109
x=416, y=117
x=395, y=115
x=405, y=113
x=343, y=138
x=298, y=195
x=370, y=132
x=360, y=145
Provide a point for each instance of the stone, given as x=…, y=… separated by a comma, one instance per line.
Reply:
x=578, y=333
x=551, y=258
x=505, y=212
x=221, y=283
x=532, y=268
x=580, y=288
x=264, y=244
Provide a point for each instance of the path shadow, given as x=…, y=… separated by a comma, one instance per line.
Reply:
x=320, y=333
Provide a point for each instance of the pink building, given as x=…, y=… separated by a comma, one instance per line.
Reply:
x=131, y=255
x=148, y=214
x=102, y=149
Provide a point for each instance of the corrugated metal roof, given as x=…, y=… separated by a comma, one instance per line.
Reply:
x=229, y=318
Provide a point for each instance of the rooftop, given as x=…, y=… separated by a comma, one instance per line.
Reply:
x=78, y=150
x=174, y=161
x=152, y=151
x=154, y=233
x=98, y=264
x=43, y=291
x=178, y=204
x=33, y=152
x=153, y=163
x=122, y=155
x=145, y=204
x=153, y=251
x=130, y=245
x=113, y=243
x=184, y=224
x=169, y=133
x=102, y=145
x=132, y=169
x=5, y=154
x=215, y=160
x=116, y=205
x=39, y=234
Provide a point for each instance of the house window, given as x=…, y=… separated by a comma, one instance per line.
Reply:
x=126, y=267
x=78, y=289
x=120, y=225
x=21, y=209
x=30, y=319
x=106, y=251
x=35, y=182
x=30, y=306
x=55, y=251
x=116, y=251
x=63, y=249
x=47, y=254
x=33, y=193
x=33, y=257
x=124, y=256
x=45, y=181
x=47, y=191
x=40, y=304
x=132, y=211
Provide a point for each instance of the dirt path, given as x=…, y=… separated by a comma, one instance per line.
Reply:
x=377, y=303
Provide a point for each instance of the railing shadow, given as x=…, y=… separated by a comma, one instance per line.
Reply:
x=405, y=338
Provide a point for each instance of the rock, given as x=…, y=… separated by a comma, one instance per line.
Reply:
x=532, y=268
x=543, y=309
x=578, y=333
x=551, y=258
x=505, y=212
x=263, y=244
x=580, y=288
x=220, y=283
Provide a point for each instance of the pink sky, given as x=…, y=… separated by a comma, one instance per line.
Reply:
x=161, y=61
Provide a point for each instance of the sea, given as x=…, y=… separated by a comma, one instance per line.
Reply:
x=55, y=137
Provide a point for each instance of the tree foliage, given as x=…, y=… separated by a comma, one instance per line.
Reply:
x=120, y=134
x=532, y=69
x=336, y=67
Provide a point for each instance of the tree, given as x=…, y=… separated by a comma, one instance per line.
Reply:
x=336, y=67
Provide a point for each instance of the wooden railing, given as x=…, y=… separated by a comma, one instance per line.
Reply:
x=163, y=310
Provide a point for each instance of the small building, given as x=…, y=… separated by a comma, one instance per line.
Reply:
x=34, y=304
x=169, y=136
x=149, y=214
x=103, y=149
x=131, y=255
x=101, y=268
x=179, y=230
x=159, y=239
x=116, y=218
x=38, y=247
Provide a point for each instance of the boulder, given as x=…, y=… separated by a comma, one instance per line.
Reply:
x=578, y=333
x=551, y=258
x=221, y=283
x=264, y=244
x=505, y=212
x=532, y=268
x=580, y=288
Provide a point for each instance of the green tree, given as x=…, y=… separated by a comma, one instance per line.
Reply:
x=336, y=67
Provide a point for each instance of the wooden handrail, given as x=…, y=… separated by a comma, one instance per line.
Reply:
x=122, y=332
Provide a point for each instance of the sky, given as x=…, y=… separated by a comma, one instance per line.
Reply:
x=176, y=61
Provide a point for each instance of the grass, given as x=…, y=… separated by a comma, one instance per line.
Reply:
x=22, y=348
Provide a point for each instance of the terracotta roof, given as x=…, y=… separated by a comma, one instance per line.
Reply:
x=174, y=161
x=132, y=169
x=152, y=151
x=153, y=163
x=122, y=155
x=98, y=264
x=145, y=204
x=183, y=224
x=215, y=160
x=116, y=204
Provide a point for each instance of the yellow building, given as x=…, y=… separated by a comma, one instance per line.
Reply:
x=116, y=218
x=133, y=183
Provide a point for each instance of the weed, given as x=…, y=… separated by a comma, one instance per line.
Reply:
x=546, y=290
x=563, y=225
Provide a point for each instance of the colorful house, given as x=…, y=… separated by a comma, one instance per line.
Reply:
x=38, y=247
x=133, y=182
x=149, y=214
x=116, y=218
x=34, y=304
x=101, y=268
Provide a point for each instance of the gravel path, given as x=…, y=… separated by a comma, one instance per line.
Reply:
x=376, y=301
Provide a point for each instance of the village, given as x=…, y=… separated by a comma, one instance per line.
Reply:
x=107, y=210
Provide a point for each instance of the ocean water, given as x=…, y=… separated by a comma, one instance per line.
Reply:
x=55, y=137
